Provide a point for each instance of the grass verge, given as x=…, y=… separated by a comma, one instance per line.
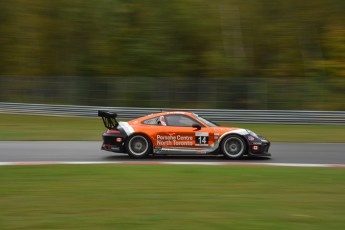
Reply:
x=31, y=128
x=171, y=197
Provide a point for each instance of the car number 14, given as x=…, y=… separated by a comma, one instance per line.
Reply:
x=201, y=139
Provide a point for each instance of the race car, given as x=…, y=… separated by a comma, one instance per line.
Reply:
x=179, y=132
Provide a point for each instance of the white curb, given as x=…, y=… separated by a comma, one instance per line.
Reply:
x=169, y=163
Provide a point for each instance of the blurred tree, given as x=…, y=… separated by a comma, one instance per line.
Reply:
x=222, y=39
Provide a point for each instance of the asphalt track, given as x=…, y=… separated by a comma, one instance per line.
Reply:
x=86, y=151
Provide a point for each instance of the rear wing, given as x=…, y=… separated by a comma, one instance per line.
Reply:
x=109, y=119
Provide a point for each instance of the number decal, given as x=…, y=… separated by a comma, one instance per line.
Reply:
x=201, y=139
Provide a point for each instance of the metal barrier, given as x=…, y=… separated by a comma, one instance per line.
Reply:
x=217, y=115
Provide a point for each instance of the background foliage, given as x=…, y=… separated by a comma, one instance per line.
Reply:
x=299, y=42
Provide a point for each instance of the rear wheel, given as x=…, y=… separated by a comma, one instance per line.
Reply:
x=138, y=146
x=233, y=147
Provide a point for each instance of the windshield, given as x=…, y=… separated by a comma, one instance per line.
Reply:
x=204, y=120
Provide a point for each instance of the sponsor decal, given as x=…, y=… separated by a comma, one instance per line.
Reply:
x=256, y=143
x=255, y=147
x=174, y=140
x=251, y=138
x=200, y=139
x=118, y=139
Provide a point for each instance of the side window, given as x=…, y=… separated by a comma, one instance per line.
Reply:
x=152, y=121
x=180, y=120
x=155, y=121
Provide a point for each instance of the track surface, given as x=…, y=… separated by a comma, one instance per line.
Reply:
x=303, y=153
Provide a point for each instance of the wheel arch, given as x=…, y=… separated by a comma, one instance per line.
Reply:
x=224, y=145
x=238, y=132
x=234, y=134
x=140, y=133
x=132, y=152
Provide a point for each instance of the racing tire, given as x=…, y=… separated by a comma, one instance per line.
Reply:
x=233, y=147
x=138, y=146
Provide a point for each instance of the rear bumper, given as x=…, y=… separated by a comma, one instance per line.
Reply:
x=113, y=142
x=112, y=148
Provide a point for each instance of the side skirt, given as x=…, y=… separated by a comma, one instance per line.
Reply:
x=181, y=151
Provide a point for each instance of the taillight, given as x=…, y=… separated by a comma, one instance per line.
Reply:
x=113, y=131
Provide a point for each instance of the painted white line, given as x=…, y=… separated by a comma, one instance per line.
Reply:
x=302, y=165
x=194, y=163
x=169, y=163
x=87, y=162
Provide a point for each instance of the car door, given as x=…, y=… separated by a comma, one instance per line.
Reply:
x=161, y=135
x=180, y=133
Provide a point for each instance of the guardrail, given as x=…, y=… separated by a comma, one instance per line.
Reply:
x=217, y=115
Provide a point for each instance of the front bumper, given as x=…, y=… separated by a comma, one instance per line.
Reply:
x=258, y=146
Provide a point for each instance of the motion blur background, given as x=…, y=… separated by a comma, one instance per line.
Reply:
x=227, y=54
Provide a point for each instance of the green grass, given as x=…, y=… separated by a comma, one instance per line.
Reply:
x=171, y=197
x=25, y=127
x=35, y=128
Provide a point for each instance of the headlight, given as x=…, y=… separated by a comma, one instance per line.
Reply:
x=252, y=133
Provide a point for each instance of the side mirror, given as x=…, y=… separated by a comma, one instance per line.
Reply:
x=196, y=126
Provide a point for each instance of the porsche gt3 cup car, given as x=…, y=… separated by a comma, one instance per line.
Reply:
x=179, y=133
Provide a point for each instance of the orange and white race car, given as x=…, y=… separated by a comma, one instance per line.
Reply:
x=178, y=132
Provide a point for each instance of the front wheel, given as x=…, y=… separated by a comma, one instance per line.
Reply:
x=138, y=146
x=233, y=147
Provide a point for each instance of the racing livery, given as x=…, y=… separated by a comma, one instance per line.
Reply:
x=179, y=132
